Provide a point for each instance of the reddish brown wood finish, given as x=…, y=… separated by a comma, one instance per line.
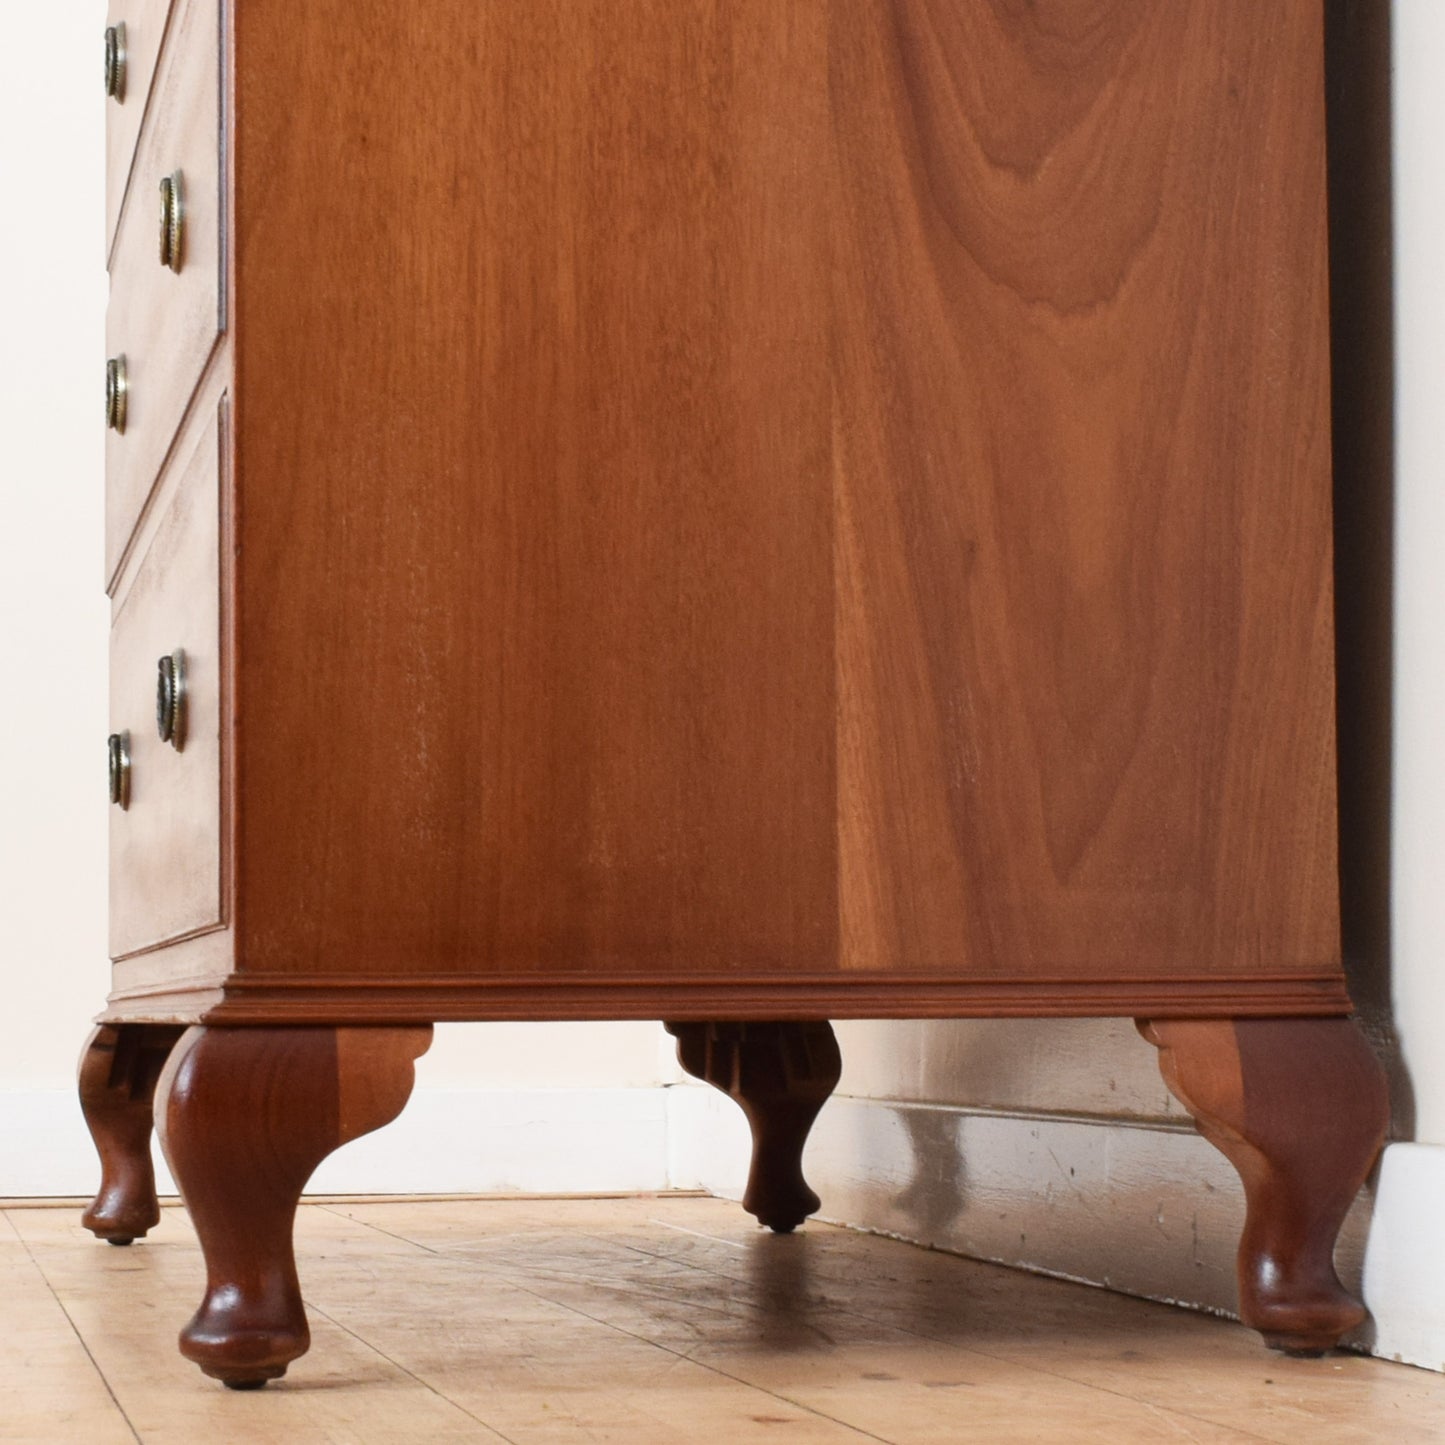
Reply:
x=1082, y=488
x=783, y=490
x=781, y=1075
x=1299, y=1108
x=119, y=1066
x=365, y=998
x=245, y=1116
x=585, y=434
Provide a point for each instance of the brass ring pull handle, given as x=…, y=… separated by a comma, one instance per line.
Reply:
x=115, y=394
x=171, y=699
x=115, y=62
x=119, y=748
x=172, y=221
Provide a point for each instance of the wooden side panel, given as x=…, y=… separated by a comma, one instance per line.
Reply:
x=1084, y=602
x=534, y=489
x=779, y=489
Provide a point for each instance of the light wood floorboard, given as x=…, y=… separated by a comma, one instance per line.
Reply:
x=653, y=1321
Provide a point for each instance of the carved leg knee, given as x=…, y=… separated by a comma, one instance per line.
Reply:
x=119, y=1066
x=1299, y=1107
x=245, y=1115
x=781, y=1074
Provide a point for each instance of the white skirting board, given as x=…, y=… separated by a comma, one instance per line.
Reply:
x=447, y=1141
x=1148, y=1209
x=1405, y=1260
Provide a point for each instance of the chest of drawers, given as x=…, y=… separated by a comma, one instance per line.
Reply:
x=739, y=515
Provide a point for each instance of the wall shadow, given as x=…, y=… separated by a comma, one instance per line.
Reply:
x=1357, y=79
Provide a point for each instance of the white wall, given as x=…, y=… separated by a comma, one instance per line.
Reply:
x=1080, y=1066
x=1405, y=1275
x=53, y=616
x=1418, y=912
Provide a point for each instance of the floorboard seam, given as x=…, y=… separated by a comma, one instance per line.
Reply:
x=410, y=1374
x=80, y=1338
x=377, y=1229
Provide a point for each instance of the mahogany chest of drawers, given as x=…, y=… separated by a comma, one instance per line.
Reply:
x=739, y=514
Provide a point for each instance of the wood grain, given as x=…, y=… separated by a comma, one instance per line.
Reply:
x=828, y=503
x=1084, y=616
x=565, y=434
x=151, y=991
x=785, y=487
x=559, y=1320
x=245, y=1116
x=1299, y=1107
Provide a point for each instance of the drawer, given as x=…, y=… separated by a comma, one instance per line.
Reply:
x=140, y=25
x=163, y=322
x=165, y=843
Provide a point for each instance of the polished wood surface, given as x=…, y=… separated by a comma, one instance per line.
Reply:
x=166, y=853
x=190, y=982
x=584, y=432
x=119, y=1067
x=1082, y=464
x=165, y=323
x=780, y=1075
x=833, y=491
x=245, y=1116
x=145, y=24
x=1299, y=1107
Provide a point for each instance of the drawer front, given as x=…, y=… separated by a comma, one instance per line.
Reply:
x=139, y=26
x=163, y=321
x=165, y=843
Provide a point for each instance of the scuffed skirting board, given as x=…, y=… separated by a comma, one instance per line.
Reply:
x=1146, y=1208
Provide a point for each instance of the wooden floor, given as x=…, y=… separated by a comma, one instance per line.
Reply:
x=649, y=1320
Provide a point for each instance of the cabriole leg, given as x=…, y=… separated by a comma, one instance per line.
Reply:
x=119, y=1066
x=1299, y=1107
x=781, y=1074
x=245, y=1115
